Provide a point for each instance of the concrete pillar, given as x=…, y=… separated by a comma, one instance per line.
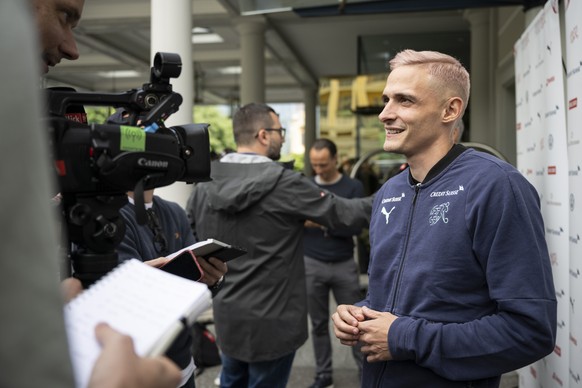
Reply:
x=481, y=122
x=171, y=31
x=252, y=45
x=310, y=100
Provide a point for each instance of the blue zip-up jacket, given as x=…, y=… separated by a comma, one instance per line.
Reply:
x=461, y=259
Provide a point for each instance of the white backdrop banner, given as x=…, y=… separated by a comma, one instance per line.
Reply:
x=573, y=47
x=542, y=156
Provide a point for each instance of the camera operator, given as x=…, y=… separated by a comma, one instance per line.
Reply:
x=32, y=336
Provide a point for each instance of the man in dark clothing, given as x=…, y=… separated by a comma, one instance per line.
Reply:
x=329, y=260
x=253, y=202
x=166, y=231
x=460, y=282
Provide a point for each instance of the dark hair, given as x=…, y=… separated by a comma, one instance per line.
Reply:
x=322, y=143
x=249, y=119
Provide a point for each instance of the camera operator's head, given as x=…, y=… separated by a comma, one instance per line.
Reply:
x=56, y=20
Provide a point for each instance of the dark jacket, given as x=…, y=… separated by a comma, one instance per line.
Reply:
x=138, y=243
x=462, y=260
x=261, y=312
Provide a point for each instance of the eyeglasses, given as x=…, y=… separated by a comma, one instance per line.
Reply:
x=280, y=130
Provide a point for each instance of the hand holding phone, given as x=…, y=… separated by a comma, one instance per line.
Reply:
x=184, y=265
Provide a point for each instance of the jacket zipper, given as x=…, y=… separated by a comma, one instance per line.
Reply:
x=401, y=267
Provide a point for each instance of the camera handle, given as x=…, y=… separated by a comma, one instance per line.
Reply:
x=95, y=228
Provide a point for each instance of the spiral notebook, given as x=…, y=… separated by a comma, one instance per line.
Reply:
x=150, y=305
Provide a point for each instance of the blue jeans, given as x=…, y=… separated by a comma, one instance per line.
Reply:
x=264, y=374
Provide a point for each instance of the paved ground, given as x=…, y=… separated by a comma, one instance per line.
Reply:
x=302, y=377
x=303, y=372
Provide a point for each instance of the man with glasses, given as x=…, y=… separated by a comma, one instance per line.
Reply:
x=254, y=202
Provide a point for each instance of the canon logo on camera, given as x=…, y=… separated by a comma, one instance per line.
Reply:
x=143, y=162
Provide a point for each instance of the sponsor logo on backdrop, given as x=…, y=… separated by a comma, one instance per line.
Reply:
x=553, y=112
x=557, y=379
x=573, y=103
x=575, y=70
x=531, y=148
x=574, y=34
x=552, y=170
x=554, y=232
x=575, y=274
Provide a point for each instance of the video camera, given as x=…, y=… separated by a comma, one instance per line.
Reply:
x=97, y=164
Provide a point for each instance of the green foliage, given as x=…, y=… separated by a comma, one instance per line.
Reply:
x=299, y=164
x=98, y=114
x=220, y=127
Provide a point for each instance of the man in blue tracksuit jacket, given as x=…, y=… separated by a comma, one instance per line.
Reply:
x=460, y=282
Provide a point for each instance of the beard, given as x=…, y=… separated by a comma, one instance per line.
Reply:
x=274, y=150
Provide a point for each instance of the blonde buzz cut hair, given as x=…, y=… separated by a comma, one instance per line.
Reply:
x=447, y=69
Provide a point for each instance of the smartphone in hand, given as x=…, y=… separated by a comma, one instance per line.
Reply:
x=184, y=265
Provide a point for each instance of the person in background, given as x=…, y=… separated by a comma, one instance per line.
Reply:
x=167, y=231
x=33, y=343
x=329, y=260
x=460, y=281
x=254, y=202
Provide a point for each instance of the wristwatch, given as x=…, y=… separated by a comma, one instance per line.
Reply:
x=217, y=286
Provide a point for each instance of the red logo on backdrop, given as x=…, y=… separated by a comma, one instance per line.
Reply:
x=551, y=170
x=573, y=103
x=558, y=350
x=533, y=372
x=550, y=80
x=573, y=340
